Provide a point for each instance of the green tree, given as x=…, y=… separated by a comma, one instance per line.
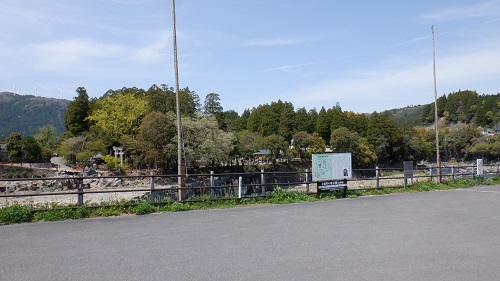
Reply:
x=190, y=103
x=240, y=123
x=118, y=115
x=31, y=149
x=303, y=121
x=160, y=98
x=318, y=144
x=15, y=146
x=204, y=141
x=458, y=140
x=323, y=124
x=213, y=107
x=286, y=121
x=462, y=106
x=72, y=146
x=47, y=140
x=248, y=143
x=75, y=118
x=260, y=118
x=232, y=118
x=157, y=136
x=313, y=119
x=212, y=104
x=487, y=111
x=216, y=144
x=276, y=118
x=385, y=137
x=338, y=118
x=357, y=123
x=301, y=142
x=427, y=116
x=344, y=140
x=277, y=145
x=47, y=136
x=486, y=148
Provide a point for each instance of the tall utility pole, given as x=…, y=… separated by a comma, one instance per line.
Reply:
x=438, y=158
x=181, y=166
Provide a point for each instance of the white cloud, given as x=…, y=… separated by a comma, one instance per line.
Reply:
x=417, y=39
x=287, y=68
x=73, y=54
x=156, y=50
x=477, y=10
x=275, y=42
x=395, y=85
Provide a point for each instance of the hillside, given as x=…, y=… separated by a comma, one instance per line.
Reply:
x=410, y=115
x=27, y=113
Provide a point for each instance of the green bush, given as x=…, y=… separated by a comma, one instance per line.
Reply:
x=15, y=214
x=283, y=196
x=51, y=212
x=144, y=208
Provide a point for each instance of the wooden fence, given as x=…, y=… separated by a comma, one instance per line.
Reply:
x=82, y=189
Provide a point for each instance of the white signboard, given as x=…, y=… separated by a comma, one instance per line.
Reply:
x=331, y=166
x=480, y=167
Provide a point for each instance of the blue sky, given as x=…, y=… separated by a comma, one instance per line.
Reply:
x=366, y=55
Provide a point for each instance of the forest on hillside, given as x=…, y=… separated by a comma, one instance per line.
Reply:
x=27, y=113
x=144, y=123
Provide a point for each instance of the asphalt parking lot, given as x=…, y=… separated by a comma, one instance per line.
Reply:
x=438, y=235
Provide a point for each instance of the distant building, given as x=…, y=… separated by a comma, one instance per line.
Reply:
x=262, y=152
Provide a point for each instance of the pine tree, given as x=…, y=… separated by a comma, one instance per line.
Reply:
x=77, y=112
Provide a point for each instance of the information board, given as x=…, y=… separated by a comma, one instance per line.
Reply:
x=331, y=166
x=408, y=169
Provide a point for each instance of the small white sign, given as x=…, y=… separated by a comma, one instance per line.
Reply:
x=480, y=167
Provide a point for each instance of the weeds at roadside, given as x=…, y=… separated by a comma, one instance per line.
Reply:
x=17, y=213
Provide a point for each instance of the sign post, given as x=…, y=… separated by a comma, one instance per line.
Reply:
x=480, y=167
x=331, y=170
x=408, y=171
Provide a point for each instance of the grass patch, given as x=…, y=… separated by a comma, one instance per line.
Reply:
x=17, y=213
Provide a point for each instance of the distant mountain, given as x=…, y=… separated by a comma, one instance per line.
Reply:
x=411, y=115
x=26, y=113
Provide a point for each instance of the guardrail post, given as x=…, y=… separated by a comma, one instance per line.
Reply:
x=240, y=186
x=153, y=193
x=453, y=173
x=377, y=176
x=430, y=173
x=307, y=180
x=262, y=182
x=80, y=190
x=212, y=183
x=479, y=167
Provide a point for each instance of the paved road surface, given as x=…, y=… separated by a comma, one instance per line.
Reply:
x=441, y=235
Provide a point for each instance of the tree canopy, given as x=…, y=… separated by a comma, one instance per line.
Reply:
x=144, y=122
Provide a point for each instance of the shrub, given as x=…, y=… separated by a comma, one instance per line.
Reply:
x=144, y=208
x=15, y=214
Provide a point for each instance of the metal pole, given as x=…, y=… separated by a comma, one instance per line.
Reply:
x=307, y=181
x=438, y=158
x=240, y=186
x=212, y=183
x=181, y=169
x=262, y=182
x=152, y=182
x=80, y=190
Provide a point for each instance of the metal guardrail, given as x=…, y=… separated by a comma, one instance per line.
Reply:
x=224, y=186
